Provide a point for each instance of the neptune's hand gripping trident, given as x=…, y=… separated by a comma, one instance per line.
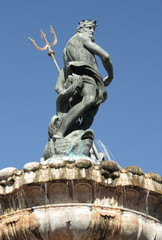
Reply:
x=48, y=46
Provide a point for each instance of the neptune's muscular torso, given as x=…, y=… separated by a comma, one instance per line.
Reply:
x=75, y=50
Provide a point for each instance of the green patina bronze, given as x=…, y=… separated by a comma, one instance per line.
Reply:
x=81, y=89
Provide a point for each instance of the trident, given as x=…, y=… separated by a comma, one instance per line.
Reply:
x=48, y=45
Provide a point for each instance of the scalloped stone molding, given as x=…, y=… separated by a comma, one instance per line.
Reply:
x=78, y=200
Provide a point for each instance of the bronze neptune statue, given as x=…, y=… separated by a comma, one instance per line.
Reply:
x=81, y=89
x=80, y=71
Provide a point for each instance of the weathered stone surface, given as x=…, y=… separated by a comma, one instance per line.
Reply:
x=134, y=170
x=7, y=172
x=111, y=166
x=74, y=200
x=83, y=163
x=36, y=172
x=78, y=222
x=56, y=163
x=31, y=166
x=156, y=177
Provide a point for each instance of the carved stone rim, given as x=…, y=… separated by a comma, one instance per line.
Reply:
x=91, y=205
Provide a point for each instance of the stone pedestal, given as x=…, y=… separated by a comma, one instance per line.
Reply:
x=78, y=200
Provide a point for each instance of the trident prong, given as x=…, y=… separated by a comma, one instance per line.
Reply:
x=48, y=45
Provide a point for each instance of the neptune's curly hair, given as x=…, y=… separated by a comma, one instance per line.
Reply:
x=82, y=23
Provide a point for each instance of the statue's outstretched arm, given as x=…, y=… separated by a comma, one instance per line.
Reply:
x=60, y=82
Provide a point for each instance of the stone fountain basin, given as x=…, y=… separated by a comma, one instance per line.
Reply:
x=77, y=200
x=79, y=222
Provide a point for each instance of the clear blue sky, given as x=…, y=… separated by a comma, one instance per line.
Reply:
x=129, y=123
